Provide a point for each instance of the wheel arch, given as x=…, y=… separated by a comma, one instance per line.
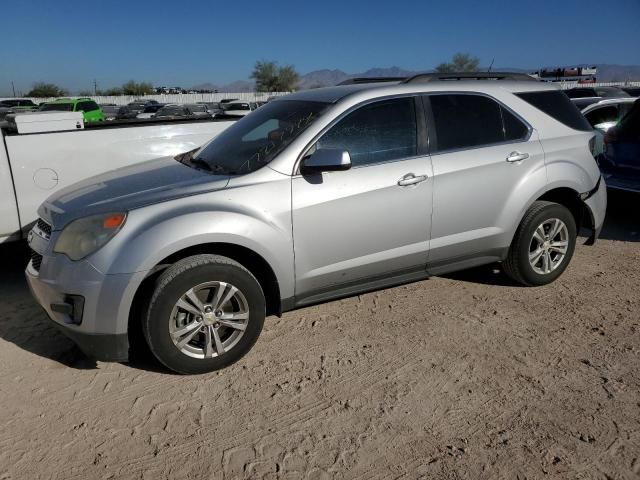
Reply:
x=245, y=256
x=568, y=198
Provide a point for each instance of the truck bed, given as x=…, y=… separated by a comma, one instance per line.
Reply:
x=38, y=164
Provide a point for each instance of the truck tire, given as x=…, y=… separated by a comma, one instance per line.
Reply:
x=543, y=245
x=205, y=313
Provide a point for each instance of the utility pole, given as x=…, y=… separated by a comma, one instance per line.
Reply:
x=13, y=87
x=95, y=87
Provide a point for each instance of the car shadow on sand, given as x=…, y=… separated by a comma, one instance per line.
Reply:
x=22, y=320
x=25, y=324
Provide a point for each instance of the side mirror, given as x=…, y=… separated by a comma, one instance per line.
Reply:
x=326, y=160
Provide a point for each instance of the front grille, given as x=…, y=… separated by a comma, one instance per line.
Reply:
x=36, y=260
x=44, y=227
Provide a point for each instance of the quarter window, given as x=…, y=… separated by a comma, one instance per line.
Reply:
x=514, y=129
x=467, y=121
x=379, y=132
x=557, y=105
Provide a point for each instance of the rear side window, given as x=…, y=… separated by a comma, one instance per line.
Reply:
x=378, y=132
x=557, y=105
x=468, y=121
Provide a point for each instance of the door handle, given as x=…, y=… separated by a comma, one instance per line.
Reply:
x=411, y=179
x=517, y=156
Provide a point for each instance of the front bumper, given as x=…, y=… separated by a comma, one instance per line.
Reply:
x=597, y=209
x=101, y=329
x=102, y=347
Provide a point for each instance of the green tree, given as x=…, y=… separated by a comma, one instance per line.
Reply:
x=461, y=62
x=85, y=93
x=115, y=91
x=43, y=90
x=270, y=77
x=135, y=88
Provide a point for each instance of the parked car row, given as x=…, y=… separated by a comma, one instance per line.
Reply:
x=142, y=109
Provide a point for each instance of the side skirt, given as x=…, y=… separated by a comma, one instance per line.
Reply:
x=356, y=287
x=391, y=280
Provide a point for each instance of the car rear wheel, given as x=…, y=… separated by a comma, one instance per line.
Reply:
x=206, y=312
x=543, y=245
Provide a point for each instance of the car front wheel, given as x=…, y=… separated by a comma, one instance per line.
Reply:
x=206, y=312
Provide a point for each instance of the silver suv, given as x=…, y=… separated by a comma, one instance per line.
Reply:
x=321, y=194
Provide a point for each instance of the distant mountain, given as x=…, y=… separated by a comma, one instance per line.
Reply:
x=327, y=77
x=233, y=87
x=323, y=78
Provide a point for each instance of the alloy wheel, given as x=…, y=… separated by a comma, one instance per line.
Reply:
x=209, y=319
x=549, y=246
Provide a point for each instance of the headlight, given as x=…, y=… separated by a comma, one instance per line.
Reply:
x=86, y=235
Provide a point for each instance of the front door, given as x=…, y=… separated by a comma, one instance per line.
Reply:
x=371, y=221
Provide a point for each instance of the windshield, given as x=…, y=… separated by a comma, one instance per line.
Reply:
x=171, y=111
x=59, y=107
x=611, y=92
x=137, y=106
x=255, y=140
x=238, y=106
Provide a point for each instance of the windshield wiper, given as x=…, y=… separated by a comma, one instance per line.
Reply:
x=215, y=169
x=200, y=164
x=197, y=163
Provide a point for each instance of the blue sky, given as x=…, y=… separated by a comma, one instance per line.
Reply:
x=195, y=41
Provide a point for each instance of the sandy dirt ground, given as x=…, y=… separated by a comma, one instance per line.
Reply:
x=464, y=376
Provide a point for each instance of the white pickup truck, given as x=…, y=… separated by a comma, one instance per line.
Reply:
x=44, y=152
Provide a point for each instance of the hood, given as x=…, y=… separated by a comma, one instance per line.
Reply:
x=128, y=188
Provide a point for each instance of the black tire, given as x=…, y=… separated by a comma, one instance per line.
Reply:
x=517, y=265
x=178, y=279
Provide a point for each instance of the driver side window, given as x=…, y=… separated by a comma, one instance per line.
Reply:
x=375, y=133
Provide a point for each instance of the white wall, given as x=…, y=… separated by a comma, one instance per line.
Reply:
x=177, y=98
x=216, y=97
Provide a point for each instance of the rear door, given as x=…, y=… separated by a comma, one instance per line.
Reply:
x=483, y=155
x=371, y=221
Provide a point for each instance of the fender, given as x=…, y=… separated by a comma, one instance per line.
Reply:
x=562, y=173
x=154, y=232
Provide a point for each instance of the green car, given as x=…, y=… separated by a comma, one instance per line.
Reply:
x=90, y=109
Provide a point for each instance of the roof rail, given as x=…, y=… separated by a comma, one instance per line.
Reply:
x=359, y=80
x=432, y=77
